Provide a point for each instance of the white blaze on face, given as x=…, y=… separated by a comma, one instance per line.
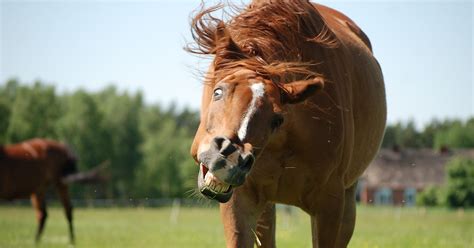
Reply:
x=258, y=89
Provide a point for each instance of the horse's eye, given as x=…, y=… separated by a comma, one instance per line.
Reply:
x=277, y=120
x=217, y=94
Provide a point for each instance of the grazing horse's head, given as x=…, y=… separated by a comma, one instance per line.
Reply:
x=246, y=90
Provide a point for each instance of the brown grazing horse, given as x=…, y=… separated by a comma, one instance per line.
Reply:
x=293, y=111
x=27, y=169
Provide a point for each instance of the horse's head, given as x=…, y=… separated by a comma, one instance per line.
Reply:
x=239, y=114
x=248, y=86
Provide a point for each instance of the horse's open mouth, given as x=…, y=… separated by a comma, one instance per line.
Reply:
x=212, y=187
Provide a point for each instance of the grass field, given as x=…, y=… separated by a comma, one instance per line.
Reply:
x=201, y=227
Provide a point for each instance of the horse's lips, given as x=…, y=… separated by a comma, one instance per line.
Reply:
x=204, y=170
x=221, y=197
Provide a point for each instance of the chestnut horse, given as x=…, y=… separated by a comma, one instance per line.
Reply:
x=293, y=111
x=27, y=169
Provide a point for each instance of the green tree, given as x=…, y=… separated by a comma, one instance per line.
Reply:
x=455, y=134
x=428, y=197
x=121, y=119
x=33, y=113
x=390, y=137
x=82, y=128
x=4, y=119
x=168, y=170
x=9, y=90
x=460, y=183
x=410, y=137
x=404, y=135
x=429, y=132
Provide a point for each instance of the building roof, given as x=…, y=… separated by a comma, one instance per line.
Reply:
x=416, y=168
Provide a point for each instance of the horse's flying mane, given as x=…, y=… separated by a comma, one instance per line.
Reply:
x=267, y=37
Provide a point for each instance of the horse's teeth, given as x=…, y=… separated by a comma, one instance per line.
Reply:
x=208, y=178
x=215, y=185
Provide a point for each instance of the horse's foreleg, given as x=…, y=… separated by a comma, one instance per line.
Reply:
x=66, y=201
x=239, y=217
x=328, y=219
x=349, y=217
x=39, y=204
x=266, y=226
x=314, y=232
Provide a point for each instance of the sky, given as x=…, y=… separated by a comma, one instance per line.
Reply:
x=425, y=49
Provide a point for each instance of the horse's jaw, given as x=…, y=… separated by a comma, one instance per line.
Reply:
x=213, y=188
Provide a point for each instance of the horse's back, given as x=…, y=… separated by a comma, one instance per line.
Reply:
x=333, y=16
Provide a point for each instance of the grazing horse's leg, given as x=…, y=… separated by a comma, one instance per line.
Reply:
x=239, y=216
x=64, y=196
x=349, y=217
x=329, y=216
x=266, y=226
x=39, y=204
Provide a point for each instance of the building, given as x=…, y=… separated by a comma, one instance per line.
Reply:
x=396, y=176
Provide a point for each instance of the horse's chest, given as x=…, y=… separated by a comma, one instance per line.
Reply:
x=289, y=178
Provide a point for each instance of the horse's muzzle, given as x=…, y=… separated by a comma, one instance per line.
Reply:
x=222, y=167
x=211, y=187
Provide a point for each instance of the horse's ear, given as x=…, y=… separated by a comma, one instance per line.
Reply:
x=299, y=91
x=225, y=45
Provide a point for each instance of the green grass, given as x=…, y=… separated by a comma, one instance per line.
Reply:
x=201, y=227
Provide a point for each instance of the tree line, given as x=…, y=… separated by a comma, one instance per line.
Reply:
x=436, y=134
x=148, y=144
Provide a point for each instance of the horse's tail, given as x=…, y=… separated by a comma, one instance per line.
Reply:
x=97, y=174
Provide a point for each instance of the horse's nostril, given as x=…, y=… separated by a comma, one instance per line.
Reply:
x=224, y=146
x=218, y=141
x=247, y=163
x=227, y=150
